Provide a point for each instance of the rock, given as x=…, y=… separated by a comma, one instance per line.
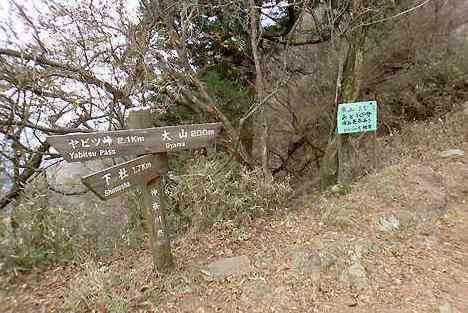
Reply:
x=332, y=252
x=307, y=262
x=66, y=177
x=388, y=223
x=357, y=276
x=340, y=190
x=262, y=260
x=190, y=304
x=104, y=219
x=446, y=308
x=327, y=260
x=364, y=247
x=226, y=267
x=452, y=153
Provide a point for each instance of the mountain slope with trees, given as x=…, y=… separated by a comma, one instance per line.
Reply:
x=273, y=74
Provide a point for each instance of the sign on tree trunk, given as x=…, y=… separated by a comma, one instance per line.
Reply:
x=357, y=117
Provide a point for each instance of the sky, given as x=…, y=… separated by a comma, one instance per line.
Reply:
x=33, y=7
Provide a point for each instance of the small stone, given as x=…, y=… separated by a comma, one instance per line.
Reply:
x=340, y=190
x=328, y=260
x=452, y=153
x=446, y=308
x=307, y=262
x=335, y=189
x=364, y=247
x=357, y=276
x=229, y=266
x=388, y=223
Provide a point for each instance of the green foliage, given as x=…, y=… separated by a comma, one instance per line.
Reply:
x=234, y=99
x=223, y=82
x=177, y=115
x=214, y=190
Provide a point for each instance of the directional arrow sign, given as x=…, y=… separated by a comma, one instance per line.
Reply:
x=79, y=147
x=115, y=180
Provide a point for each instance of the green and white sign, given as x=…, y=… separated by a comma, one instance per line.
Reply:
x=357, y=117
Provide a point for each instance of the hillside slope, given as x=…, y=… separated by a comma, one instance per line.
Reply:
x=396, y=241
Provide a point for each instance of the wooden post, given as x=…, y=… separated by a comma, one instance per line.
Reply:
x=375, y=151
x=155, y=201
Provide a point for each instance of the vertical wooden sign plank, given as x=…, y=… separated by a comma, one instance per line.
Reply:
x=155, y=202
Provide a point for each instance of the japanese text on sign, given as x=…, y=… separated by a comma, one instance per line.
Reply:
x=122, y=175
x=116, y=179
x=357, y=117
x=79, y=147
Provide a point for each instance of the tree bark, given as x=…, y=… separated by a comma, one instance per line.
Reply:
x=260, y=89
x=347, y=158
x=339, y=162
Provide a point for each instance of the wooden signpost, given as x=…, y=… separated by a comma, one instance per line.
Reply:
x=146, y=171
x=80, y=147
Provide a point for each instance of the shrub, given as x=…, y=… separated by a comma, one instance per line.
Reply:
x=43, y=234
x=214, y=190
x=97, y=287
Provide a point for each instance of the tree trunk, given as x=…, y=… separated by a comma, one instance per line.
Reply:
x=347, y=159
x=338, y=163
x=260, y=89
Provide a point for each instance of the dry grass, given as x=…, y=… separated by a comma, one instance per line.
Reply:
x=213, y=190
x=46, y=234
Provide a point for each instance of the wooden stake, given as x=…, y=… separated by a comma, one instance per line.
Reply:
x=155, y=202
x=375, y=151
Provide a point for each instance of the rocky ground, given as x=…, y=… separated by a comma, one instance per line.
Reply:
x=396, y=241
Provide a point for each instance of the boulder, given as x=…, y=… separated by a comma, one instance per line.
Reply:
x=66, y=177
x=106, y=219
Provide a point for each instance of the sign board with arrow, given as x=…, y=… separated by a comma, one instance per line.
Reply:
x=147, y=171
x=80, y=147
x=116, y=180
